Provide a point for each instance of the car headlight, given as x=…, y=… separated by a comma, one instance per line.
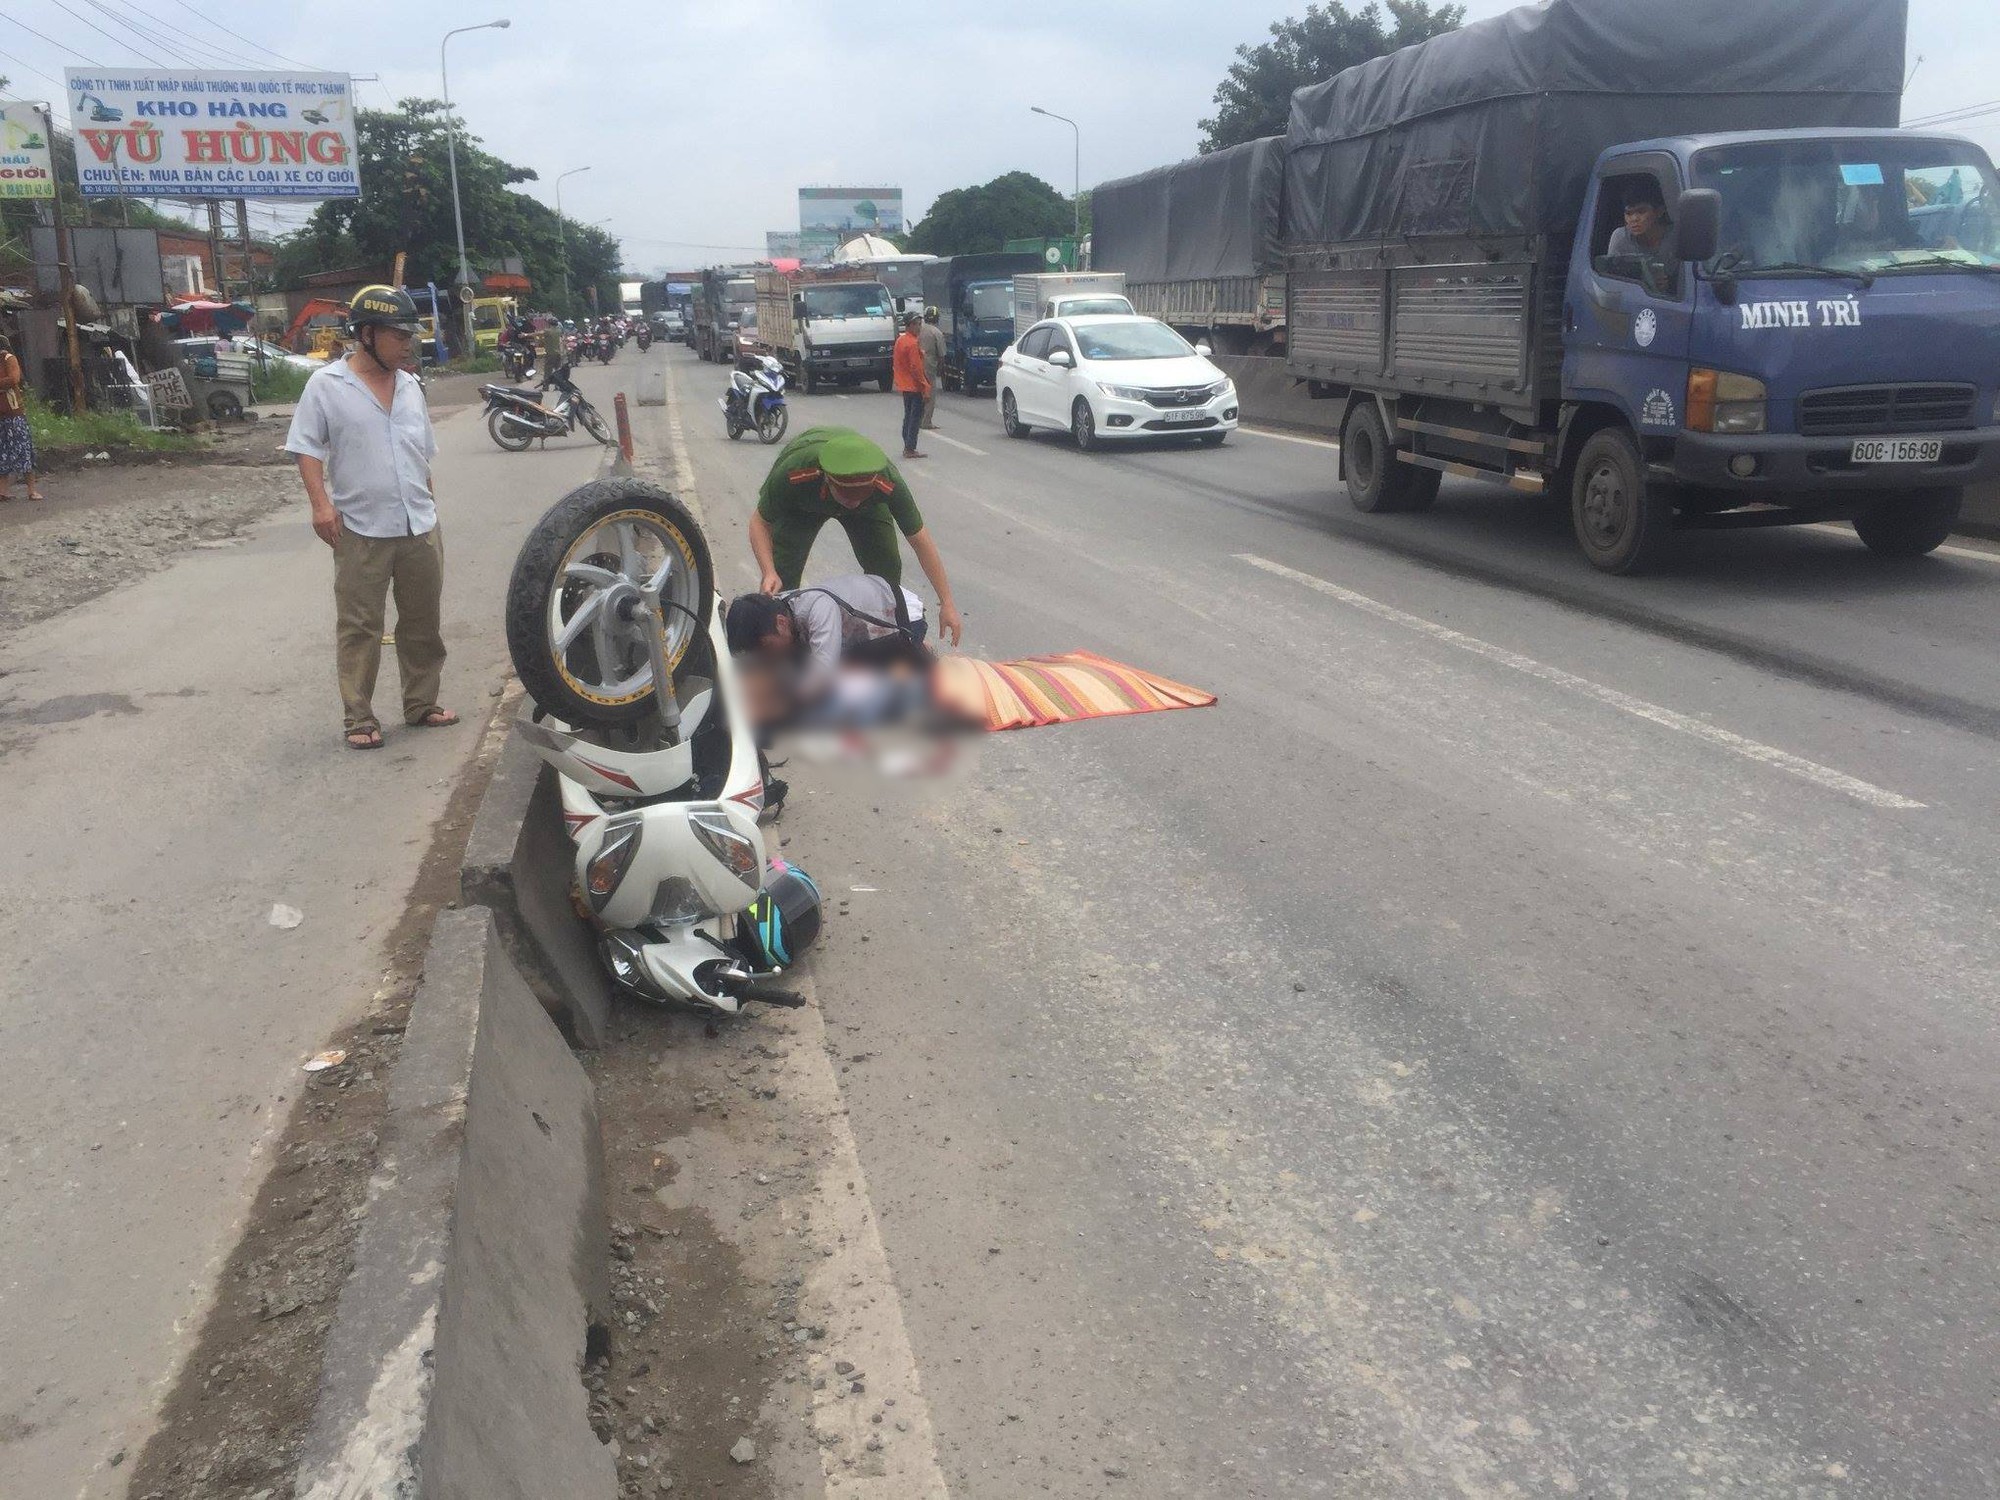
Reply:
x=613, y=858
x=1122, y=392
x=1223, y=387
x=1720, y=401
x=738, y=854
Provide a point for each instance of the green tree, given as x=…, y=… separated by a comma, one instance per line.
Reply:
x=1255, y=98
x=406, y=205
x=968, y=220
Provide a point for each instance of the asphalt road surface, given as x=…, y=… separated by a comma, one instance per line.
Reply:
x=173, y=768
x=1533, y=1037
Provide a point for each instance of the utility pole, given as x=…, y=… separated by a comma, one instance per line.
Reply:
x=215, y=245
x=1076, y=190
x=66, y=276
x=451, y=150
x=562, y=232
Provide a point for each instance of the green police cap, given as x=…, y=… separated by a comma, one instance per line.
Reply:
x=849, y=455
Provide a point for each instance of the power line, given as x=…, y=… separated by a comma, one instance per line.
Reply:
x=23, y=62
x=1965, y=112
x=119, y=41
x=59, y=46
x=141, y=32
x=259, y=46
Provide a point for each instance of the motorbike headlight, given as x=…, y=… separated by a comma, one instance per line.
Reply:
x=1122, y=392
x=613, y=858
x=720, y=838
x=1720, y=401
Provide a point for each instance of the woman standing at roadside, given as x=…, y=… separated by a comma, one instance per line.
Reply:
x=17, y=447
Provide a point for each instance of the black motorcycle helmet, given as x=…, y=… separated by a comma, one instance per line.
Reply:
x=382, y=307
x=784, y=920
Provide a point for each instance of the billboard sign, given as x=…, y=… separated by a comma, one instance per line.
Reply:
x=852, y=211
x=119, y=267
x=24, y=153
x=801, y=244
x=161, y=133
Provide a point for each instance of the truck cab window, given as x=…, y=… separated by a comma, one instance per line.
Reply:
x=1632, y=234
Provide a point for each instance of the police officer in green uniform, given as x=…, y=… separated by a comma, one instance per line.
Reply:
x=835, y=474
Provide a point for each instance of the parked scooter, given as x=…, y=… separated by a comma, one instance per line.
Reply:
x=516, y=414
x=756, y=398
x=661, y=790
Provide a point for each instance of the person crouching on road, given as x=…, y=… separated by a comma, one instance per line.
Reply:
x=931, y=337
x=369, y=481
x=911, y=380
x=835, y=474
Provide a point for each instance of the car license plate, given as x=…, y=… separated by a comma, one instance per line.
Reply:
x=1184, y=416
x=1897, y=450
x=859, y=364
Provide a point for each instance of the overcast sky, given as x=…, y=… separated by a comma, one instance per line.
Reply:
x=700, y=121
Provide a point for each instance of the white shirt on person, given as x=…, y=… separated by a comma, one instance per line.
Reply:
x=828, y=629
x=378, y=463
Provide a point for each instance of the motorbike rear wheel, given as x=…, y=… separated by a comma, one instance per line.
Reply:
x=576, y=644
x=772, y=422
x=510, y=436
x=593, y=423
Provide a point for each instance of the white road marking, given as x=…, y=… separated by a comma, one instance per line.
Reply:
x=1639, y=708
x=842, y=396
x=1836, y=528
x=980, y=452
x=1288, y=437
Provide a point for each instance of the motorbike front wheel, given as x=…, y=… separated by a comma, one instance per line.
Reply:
x=593, y=423
x=576, y=643
x=511, y=436
x=772, y=422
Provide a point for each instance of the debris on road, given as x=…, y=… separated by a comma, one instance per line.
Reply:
x=744, y=1452
x=286, y=917
x=320, y=1062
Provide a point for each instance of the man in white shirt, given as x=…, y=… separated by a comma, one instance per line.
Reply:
x=362, y=436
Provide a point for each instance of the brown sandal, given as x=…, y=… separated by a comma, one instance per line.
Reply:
x=435, y=718
x=366, y=738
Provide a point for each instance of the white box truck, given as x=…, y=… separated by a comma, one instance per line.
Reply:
x=827, y=325
x=1061, y=294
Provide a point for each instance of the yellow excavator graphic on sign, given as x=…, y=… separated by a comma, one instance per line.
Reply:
x=21, y=138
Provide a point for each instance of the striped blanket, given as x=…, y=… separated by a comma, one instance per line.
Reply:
x=1054, y=690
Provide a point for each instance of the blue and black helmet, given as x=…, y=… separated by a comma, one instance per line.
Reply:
x=784, y=919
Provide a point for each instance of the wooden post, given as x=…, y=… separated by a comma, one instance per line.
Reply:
x=79, y=399
x=215, y=241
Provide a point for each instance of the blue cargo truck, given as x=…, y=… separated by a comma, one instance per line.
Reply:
x=974, y=296
x=1815, y=335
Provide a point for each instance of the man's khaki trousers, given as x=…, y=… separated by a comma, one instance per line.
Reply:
x=365, y=570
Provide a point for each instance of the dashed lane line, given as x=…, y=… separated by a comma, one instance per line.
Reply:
x=1638, y=708
x=940, y=437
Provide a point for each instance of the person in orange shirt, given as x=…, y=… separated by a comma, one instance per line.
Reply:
x=911, y=381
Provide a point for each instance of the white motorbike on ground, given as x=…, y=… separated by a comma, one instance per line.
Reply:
x=516, y=415
x=756, y=398
x=661, y=792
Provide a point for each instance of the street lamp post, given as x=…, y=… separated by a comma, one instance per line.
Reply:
x=562, y=234
x=1076, y=189
x=451, y=152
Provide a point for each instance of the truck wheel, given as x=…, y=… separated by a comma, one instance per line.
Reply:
x=808, y=382
x=1083, y=426
x=1909, y=524
x=1621, y=521
x=1375, y=481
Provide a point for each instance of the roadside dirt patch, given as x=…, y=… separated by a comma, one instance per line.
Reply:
x=233, y=1425
x=113, y=523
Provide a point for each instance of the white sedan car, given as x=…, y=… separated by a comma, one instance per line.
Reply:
x=1112, y=377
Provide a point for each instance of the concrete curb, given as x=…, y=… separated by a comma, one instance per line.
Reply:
x=1270, y=398
x=453, y=1366
x=517, y=863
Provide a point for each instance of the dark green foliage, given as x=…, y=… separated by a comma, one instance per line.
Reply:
x=1255, y=98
